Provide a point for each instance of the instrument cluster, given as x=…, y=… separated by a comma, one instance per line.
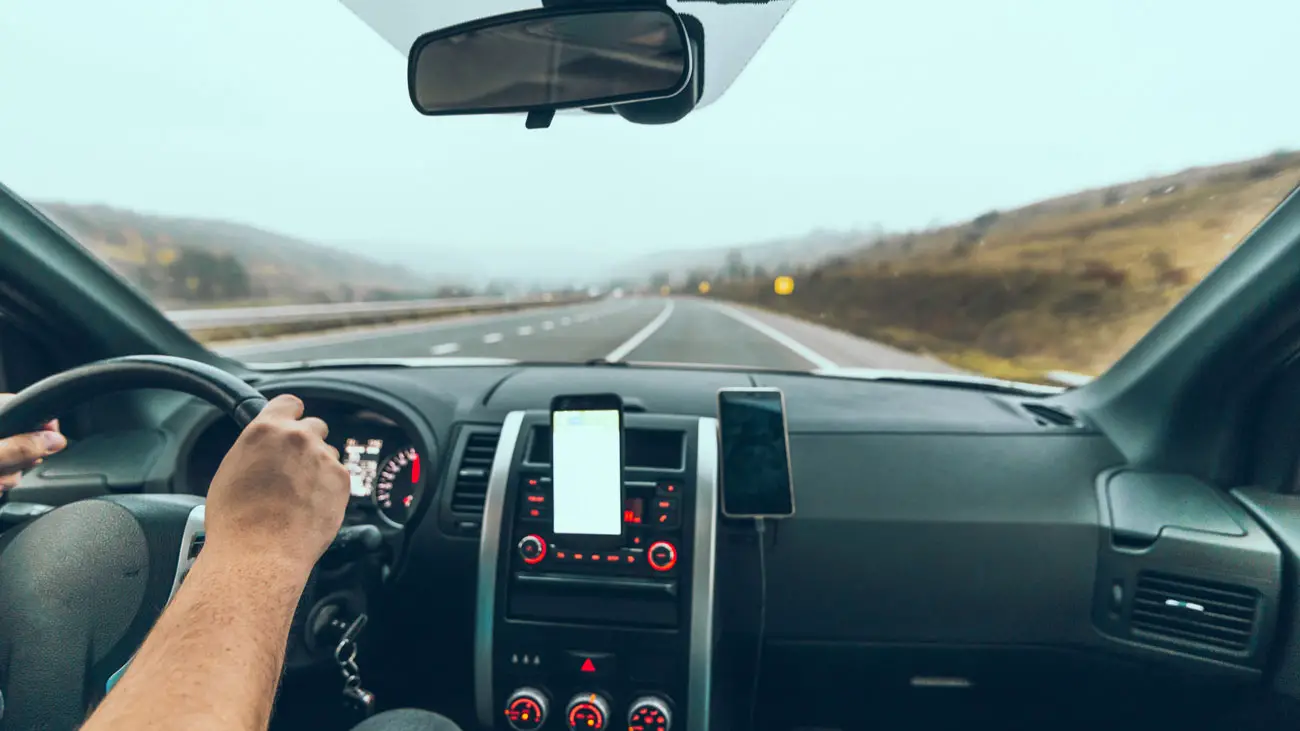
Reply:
x=387, y=471
x=387, y=467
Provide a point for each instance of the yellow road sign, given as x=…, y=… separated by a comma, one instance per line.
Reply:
x=704, y=287
x=783, y=285
x=664, y=290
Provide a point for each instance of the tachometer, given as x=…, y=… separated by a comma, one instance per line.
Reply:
x=398, y=485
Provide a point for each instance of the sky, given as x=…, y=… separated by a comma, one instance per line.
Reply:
x=293, y=115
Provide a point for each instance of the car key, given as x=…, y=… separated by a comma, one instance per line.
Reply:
x=356, y=700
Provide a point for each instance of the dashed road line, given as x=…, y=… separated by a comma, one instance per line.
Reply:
x=445, y=348
x=493, y=338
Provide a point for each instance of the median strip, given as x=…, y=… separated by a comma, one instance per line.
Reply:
x=261, y=323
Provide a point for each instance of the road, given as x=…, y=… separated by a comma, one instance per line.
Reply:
x=664, y=330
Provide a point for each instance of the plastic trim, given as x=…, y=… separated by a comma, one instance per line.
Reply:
x=489, y=548
x=700, y=673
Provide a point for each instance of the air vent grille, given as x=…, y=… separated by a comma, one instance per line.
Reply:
x=1052, y=416
x=472, y=473
x=1191, y=610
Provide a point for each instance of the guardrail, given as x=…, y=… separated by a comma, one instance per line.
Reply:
x=237, y=317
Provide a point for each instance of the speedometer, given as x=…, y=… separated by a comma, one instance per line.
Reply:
x=396, y=488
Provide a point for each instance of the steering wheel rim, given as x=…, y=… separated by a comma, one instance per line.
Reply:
x=81, y=586
x=38, y=403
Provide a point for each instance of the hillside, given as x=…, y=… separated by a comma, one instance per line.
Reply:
x=1064, y=284
x=201, y=262
x=794, y=252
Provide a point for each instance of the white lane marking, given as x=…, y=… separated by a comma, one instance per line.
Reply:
x=548, y=325
x=794, y=346
x=361, y=335
x=493, y=338
x=445, y=348
x=525, y=330
x=581, y=318
x=565, y=321
x=642, y=335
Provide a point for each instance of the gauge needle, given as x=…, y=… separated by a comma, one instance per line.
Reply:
x=415, y=469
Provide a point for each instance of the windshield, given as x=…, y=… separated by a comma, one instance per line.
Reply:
x=993, y=188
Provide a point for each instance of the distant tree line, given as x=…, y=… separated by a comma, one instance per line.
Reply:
x=197, y=275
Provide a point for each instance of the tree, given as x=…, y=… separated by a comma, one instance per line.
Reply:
x=200, y=275
x=694, y=278
x=984, y=222
x=735, y=268
x=659, y=279
x=835, y=263
x=229, y=278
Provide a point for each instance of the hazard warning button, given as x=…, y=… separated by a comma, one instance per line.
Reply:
x=591, y=664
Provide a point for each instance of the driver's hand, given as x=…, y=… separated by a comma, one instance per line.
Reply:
x=23, y=452
x=281, y=491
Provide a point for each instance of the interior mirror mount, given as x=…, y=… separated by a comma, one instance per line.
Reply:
x=550, y=59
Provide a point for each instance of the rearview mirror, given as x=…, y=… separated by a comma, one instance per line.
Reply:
x=550, y=59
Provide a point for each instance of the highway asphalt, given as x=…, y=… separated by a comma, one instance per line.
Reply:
x=653, y=329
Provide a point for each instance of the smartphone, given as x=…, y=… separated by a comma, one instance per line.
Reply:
x=755, y=445
x=587, y=469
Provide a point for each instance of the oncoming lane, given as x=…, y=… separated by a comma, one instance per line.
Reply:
x=565, y=333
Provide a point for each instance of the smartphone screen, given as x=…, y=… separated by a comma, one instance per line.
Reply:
x=587, y=465
x=756, y=479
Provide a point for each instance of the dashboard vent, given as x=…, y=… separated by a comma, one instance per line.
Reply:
x=1191, y=610
x=472, y=473
x=1051, y=416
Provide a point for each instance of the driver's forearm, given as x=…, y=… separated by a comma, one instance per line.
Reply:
x=214, y=658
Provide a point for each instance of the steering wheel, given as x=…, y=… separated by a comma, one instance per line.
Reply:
x=81, y=586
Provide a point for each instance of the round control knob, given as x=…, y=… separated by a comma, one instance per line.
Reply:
x=587, y=712
x=526, y=709
x=662, y=555
x=649, y=713
x=532, y=549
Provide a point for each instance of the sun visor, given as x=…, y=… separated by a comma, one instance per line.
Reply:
x=733, y=30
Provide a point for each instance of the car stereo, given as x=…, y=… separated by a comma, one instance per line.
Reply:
x=611, y=634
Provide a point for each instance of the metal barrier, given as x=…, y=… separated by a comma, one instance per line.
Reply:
x=235, y=317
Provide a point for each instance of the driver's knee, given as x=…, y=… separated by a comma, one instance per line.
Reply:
x=407, y=719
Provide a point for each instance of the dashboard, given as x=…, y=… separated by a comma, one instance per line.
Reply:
x=386, y=462
x=949, y=544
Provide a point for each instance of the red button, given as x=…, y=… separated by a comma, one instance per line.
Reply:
x=532, y=549
x=662, y=555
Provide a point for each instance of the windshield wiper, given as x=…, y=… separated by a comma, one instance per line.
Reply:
x=603, y=362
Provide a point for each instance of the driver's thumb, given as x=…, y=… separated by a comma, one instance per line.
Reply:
x=20, y=452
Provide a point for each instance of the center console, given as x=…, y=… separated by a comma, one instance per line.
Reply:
x=595, y=639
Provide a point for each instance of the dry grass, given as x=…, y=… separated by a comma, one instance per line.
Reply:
x=1047, y=287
